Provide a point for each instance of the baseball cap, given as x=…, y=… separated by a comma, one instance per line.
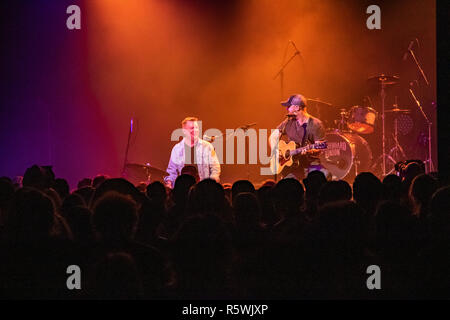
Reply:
x=296, y=99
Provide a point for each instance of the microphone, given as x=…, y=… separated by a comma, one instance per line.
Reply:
x=295, y=47
x=245, y=127
x=405, y=56
x=291, y=116
x=208, y=138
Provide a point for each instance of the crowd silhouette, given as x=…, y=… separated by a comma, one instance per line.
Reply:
x=310, y=239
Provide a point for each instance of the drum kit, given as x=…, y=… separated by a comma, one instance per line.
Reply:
x=139, y=172
x=348, y=153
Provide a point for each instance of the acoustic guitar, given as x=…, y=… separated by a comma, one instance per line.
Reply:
x=287, y=150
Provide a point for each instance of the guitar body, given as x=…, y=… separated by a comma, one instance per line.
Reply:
x=277, y=164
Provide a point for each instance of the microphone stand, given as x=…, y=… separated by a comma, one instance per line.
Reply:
x=281, y=72
x=128, y=146
x=227, y=135
x=429, y=160
x=419, y=67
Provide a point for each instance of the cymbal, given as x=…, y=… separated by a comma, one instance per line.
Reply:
x=397, y=110
x=148, y=168
x=382, y=78
x=317, y=100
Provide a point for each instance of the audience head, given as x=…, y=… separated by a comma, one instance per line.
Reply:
x=72, y=200
x=62, y=187
x=31, y=216
x=156, y=192
x=180, y=191
x=17, y=182
x=422, y=188
x=247, y=212
x=191, y=170
x=142, y=187
x=98, y=180
x=288, y=196
x=79, y=220
x=87, y=193
x=333, y=191
x=392, y=187
x=412, y=170
x=268, y=214
x=119, y=185
x=85, y=182
x=268, y=183
x=313, y=182
x=35, y=177
x=114, y=217
x=241, y=186
x=440, y=213
x=6, y=191
x=207, y=196
x=367, y=191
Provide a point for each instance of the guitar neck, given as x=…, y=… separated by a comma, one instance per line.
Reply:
x=302, y=149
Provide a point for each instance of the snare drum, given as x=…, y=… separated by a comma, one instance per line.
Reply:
x=362, y=119
x=347, y=154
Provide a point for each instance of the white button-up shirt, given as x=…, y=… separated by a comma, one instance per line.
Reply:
x=208, y=164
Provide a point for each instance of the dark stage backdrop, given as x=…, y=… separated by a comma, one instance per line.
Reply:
x=68, y=95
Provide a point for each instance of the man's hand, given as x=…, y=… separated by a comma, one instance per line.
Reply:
x=313, y=152
x=169, y=184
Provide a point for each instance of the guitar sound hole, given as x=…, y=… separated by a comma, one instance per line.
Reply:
x=287, y=154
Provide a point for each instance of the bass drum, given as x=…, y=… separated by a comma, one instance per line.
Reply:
x=347, y=154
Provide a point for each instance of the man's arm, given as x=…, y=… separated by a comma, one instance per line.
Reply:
x=319, y=136
x=214, y=165
x=172, y=170
x=320, y=132
x=273, y=139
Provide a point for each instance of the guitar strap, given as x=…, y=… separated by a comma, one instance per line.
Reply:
x=283, y=130
x=304, y=133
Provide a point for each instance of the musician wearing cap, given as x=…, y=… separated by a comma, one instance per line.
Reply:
x=305, y=134
x=192, y=150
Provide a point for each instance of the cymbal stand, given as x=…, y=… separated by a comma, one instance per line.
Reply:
x=383, y=134
x=397, y=151
x=343, y=121
x=126, y=150
x=429, y=160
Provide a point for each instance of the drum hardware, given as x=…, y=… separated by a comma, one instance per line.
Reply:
x=388, y=159
x=396, y=151
x=397, y=110
x=342, y=123
x=318, y=101
x=356, y=164
x=383, y=81
x=362, y=119
x=143, y=172
x=346, y=155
